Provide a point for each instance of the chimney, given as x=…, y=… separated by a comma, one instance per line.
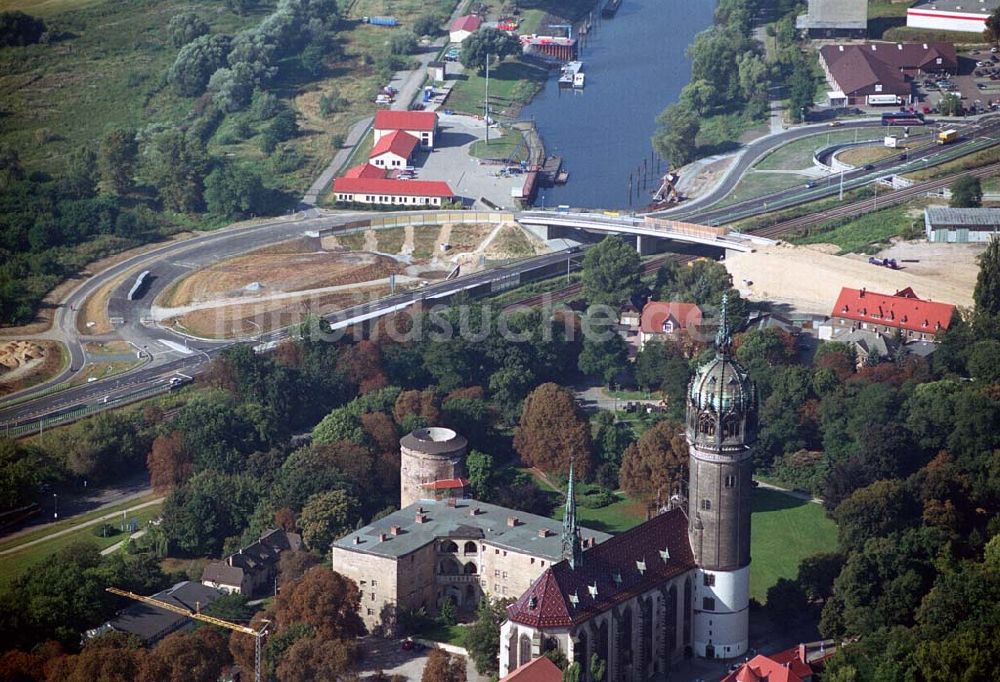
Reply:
x=512, y=521
x=452, y=501
x=421, y=518
x=802, y=653
x=357, y=539
x=382, y=537
x=473, y=511
x=420, y=510
x=394, y=530
x=863, y=292
x=543, y=532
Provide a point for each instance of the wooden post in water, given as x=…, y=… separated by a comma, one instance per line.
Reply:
x=630, y=189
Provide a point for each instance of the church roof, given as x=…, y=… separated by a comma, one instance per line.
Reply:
x=612, y=572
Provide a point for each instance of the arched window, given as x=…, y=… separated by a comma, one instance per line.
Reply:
x=525, y=650
x=580, y=651
x=730, y=426
x=449, y=546
x=470, y=569
x=470, y=547
x=450, y=567
x=706, y=424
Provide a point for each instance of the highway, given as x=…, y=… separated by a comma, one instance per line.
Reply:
x=170, y=353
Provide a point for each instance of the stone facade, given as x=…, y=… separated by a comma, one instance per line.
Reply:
x=429, y=455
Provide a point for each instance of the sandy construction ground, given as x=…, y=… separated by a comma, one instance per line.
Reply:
x=809, y=278
x=25, y=363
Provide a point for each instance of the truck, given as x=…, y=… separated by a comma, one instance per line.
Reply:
x=884, y=262
x=380, y=21
x=946, y=136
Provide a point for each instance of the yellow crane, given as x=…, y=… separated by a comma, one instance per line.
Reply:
x=258, y=635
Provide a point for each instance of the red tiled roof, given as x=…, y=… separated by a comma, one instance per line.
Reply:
x=409, y=188
x=540, y=669
x=655, y=313
x=470, y=22
x=446, y=484
x=903, y=310
x=398, y=142
x=386, y=119
x=615, y=570
x=784, y=666
x=365, y=170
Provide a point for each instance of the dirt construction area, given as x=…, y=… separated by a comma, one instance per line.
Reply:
x=23, y=363
x=279, y=285
x=809, y=278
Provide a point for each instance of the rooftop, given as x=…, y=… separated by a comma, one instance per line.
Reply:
x=364, y=170
x=902, y=309
x=971, y=217
x=386, y=119
x=470, y=22
x=466, y=519
x=612, y=572
x=410, y=188
x=858, y=66
x=656, y=313
x=398, y=142
x=433, y=440
x=540, y=669
x=152, y=623
x=258, y=556
x=846, y=14
x=984, y=7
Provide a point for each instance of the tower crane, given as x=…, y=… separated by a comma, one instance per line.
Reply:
x=568, y=27
x=258, y=635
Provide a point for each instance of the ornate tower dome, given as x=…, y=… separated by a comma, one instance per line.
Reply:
x=722, y=402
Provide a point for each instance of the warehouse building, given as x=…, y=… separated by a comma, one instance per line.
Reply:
x=870, y=74
x=961, y=225
x=835, y=19
x=967, y=16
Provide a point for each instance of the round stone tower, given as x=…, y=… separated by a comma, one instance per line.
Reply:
x=721, y=426
x=428, y=455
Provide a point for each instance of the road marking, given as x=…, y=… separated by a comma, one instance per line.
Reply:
x=173, y=345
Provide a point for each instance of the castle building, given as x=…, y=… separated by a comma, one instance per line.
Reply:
x=676, y=584
x=441, y=545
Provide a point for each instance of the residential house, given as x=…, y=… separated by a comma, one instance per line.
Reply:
x=252, y=570
x=664, y=319
x=420, y=124
x=151, y=623
x=394, y=150
x=915, y=318
x=870, y=347
x=797, y=664
x=463, y=27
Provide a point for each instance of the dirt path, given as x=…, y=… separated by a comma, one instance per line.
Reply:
x=371, y=241
x=444, y=237
x=485, y=244
x=408, y=247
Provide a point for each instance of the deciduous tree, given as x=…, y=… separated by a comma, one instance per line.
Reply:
x=181, y=657
x=442, y=666
x=653, y=467
x=169, y=462
x=185, y=27
x=966, y=192
x=552, y=432
x=487, y=44
x=196, y=62
x=482, y=638
x=310, y=659
x=117, y=157
x=325, y=600
x=326, y=517
x=611, y=272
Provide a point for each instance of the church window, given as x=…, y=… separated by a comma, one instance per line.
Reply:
x=730, y=481
x=708, y=604
x=709, y=580
x=374, y=583
x=706, y=424
x=706, y=505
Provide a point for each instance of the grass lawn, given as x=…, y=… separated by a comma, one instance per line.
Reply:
x=449, y=634
x=533, y=11
x=12, y=565
x=509, y=146
x=884, y=8
x=859, y=156
x=754, y=185
x=798, y=154
x=858, y=234
x=784, y=531
x=511, y=82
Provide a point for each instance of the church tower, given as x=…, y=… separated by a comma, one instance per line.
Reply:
x=721, y=426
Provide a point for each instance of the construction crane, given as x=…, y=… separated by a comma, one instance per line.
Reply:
x=258, y=635
x=568, y=27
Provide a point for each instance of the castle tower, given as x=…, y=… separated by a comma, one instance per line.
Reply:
x=427, y=456
x=721, y=426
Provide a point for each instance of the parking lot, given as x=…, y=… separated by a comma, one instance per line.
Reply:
x=977, y=83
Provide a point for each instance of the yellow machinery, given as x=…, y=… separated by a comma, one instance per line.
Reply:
x=258, y=635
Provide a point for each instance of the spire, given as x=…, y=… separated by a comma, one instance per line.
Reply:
x=723, y=339
x=571, y=549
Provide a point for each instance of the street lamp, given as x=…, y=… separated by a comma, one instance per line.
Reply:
x=55, y=501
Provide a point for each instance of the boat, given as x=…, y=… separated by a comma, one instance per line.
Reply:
x=578, y=79
x=610, y=8
x=570, y=70
x=565, y=79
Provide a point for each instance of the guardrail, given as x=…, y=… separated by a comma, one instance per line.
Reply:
x=414, y=218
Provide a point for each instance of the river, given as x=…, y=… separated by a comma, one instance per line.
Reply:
x=635, y=66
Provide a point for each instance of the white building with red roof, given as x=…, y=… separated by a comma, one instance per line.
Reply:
x=368, y=190
x=394, y=150
x=797, y=664
x=364, y=170
x=463, y=27
x=913, y=317
x=662, y=319
x=420, y=124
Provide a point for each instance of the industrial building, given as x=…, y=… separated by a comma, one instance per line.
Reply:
x=361, y=190
x=961, y=225
x=835, y=19
x=967, y=16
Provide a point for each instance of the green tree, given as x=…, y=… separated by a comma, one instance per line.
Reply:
x=234, y=192
x=402, y=42
x=312, y=59
x=966, y=192
x=604, y=354
x=676, y=135
x=196, y=62
x=18, y=29
x=117, y=159
x=487, y=44
x=326, y=517
x=991, y=33
x=232, y=88
x=482, y=638
x=987, y=292
x=185, y=27
x=786, y=602
x=950, y=104
x=552, y=432
x=201, y=514
x=801, y=89
x=427, y=25
x=481, y=470
x=175, y=164
x=984, y=361
x=611, y=272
